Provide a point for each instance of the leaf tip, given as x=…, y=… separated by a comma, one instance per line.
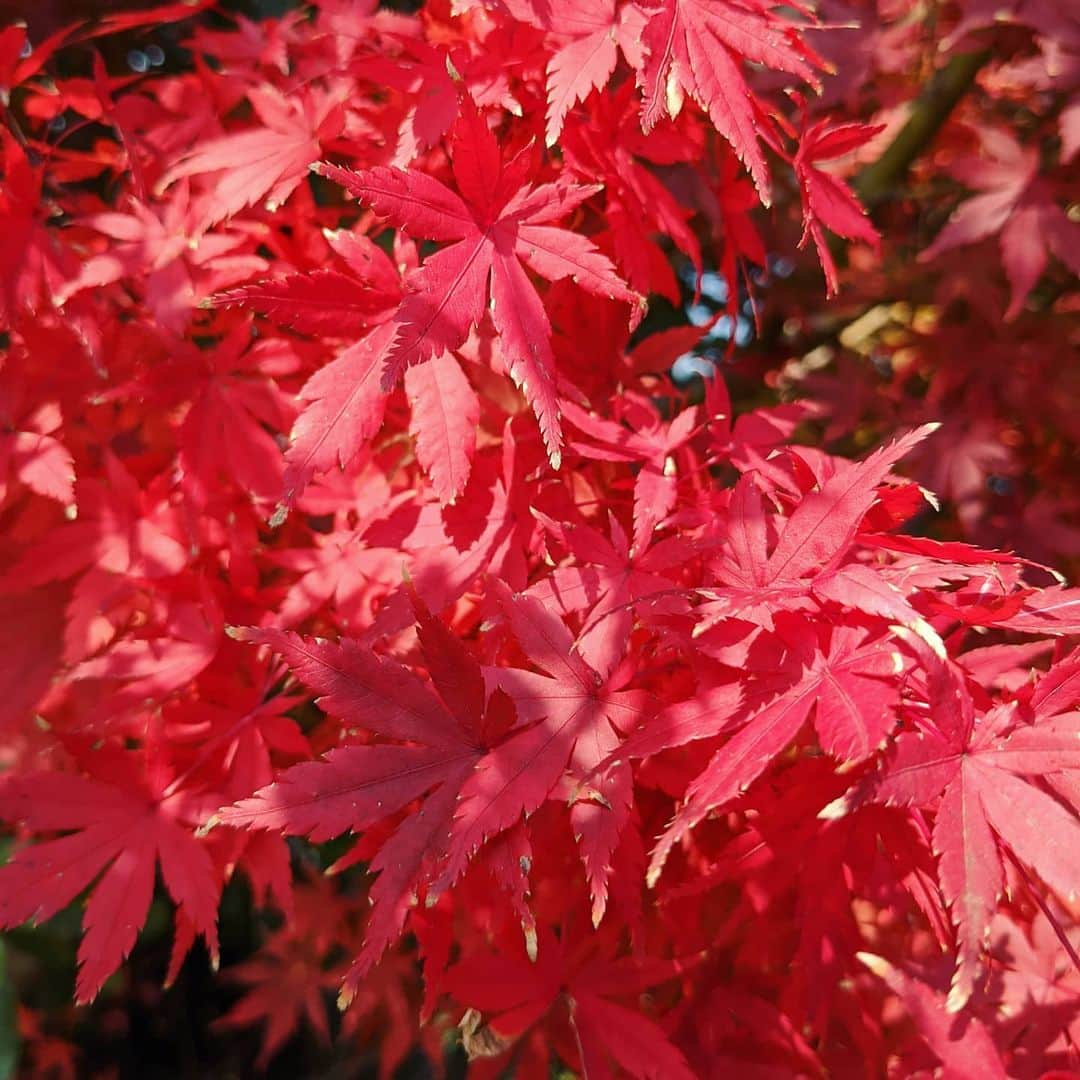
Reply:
x=877, y=964
x=212, y=822
x=837, y=809
x=959, y=994
x=932, y=638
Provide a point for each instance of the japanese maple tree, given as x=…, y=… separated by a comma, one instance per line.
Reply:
x=550, y=522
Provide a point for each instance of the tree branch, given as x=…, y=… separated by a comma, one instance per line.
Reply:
x=932, y=108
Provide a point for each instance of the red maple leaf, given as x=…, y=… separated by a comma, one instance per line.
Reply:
x=589, y=37
x=1018, y=205
x=326, y=301
x=516, y=993
x=28, y=448
x=445, y=412
x=124, y=824
x=494, y=229
x=650, y=441
x=423, y=73
x=32, y=265
x=344, y=402
x=696, y=47
x=612, y=149
x=121, y=528
x=265, y=163
x=964, y=1048
x=357, y=786
x=611, y=581
x=286, y=979
x=571, y=716
x=812, y=546
x=827, y=200
x=178, y=264
x=1040, y=984
x=233, y=401
x=980, y=772
x=846, y=682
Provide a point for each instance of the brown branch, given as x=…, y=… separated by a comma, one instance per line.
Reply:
x=932, y=108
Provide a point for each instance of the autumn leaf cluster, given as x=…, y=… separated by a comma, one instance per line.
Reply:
x=357, y=515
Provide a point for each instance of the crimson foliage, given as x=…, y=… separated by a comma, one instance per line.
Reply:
x=347, y=490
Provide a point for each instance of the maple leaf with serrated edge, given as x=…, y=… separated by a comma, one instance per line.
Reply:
x=342, y=407
x=345, y=398
x=323, y=301
x=161, y=245
x=736, y=201
x=826, y=199
x=282, y=987
x=749, y=442
x=423, y=73
x=964, y=1047
x=979, y=772
x=266, y=162
x=356, y=786
x=338, y=303
x=650, y=441
x=121, y=830
x=847, y=680
x=590, y=36
x=611, y=581
x=1039, y=982
x=31, y=263
x=121, y=528
x=571, y=717
x=1054, y=610
x=342, y=404
x=812, y=546
x=1058, y=691
x=516, y=992
x=286, y=980
x=611, y=149
x=696, y=47
x=818, y=532
x=445, y=413
x=494, y=229
x=232, y=404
